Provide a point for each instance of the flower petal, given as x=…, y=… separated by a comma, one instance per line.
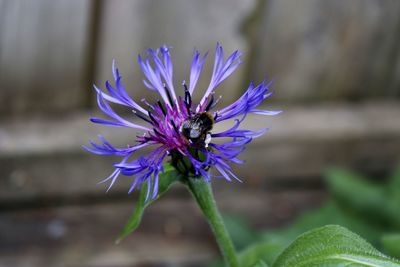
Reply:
x=195, y=69
x=247, y=103
x=221, y=69
x=118, y=94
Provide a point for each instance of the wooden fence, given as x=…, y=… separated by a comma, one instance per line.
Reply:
x=51, y=51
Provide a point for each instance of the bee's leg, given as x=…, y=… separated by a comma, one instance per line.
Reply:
x=207, y=140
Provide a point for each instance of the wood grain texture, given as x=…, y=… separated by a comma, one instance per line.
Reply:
x=43, y=47
x=130, y=27
x=320, y=50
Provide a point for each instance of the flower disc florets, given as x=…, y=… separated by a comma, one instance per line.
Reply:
x=175, y=126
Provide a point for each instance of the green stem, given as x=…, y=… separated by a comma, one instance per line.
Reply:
x=202, y=192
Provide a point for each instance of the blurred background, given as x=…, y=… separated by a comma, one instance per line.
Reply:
x=336, y=67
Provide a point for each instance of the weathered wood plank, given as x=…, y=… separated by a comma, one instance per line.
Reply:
x=320, y=50
x=172, y=232
x=130, y=27
x=45, y=157
x=42, y=55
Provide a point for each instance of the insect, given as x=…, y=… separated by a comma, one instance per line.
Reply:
x=197, y=129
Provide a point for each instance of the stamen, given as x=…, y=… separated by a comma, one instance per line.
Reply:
x=188, y=110
x=141, y=116
x=175, y=128
x=162, y=107
x=152, y=118
x=147, y=139
x=147, y=103
x=171, y=102
x=188, y=97
x=210, y=103
x=218, y=99
x=158, y=133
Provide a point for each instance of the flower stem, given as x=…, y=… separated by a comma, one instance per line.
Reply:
x=203, y=194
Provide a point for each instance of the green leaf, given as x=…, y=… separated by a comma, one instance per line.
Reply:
x=260, y=264
x=332, y=245
x=263, y=251
x=391, y=244
x=329, y=213
x=166, y=179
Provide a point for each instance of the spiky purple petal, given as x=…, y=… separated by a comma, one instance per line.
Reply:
x=222, y=69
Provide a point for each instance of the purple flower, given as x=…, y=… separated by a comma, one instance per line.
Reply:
x=175, y=127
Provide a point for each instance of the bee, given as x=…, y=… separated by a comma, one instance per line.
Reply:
x=197, y=128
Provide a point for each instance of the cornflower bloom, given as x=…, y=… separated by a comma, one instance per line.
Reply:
x=176, y=127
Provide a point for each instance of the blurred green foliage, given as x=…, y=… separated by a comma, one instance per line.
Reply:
x=367, y=208
x=391, y=244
